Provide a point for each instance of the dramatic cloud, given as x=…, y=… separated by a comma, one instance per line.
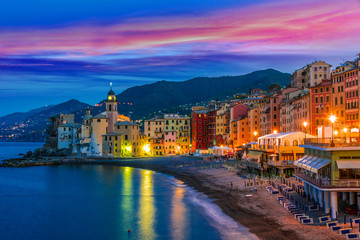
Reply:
x=142, y=43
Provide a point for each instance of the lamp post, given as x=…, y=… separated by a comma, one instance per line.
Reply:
x=255, y=134
x=275, y=132
x=305, y=125
x=345, y=130
x=332, y=119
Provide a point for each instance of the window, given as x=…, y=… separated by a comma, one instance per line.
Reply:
x=316, y=100
x=126, y=137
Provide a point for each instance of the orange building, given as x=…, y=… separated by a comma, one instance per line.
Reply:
x=301, y=112
x=320, y=106
x=351, y=82
x=254, y=123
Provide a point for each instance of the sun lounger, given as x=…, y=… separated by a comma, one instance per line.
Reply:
x=313, y=208
x=357, y=221
x=280, y=198
x=298, y=215
x=332, y=224
x=352, y=236
x=325, y=219
x=307, y=221
x=302, y=217
x=336, y=228
x=274, y=192
x=345, y=231
x=295, y=211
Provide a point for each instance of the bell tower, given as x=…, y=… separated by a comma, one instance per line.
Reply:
x=111, y=109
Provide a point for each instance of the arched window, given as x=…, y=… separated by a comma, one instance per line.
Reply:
x=287, y=143
x=110, y=108
x=295, y=143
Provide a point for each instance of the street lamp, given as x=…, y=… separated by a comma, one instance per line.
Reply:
x=305, y=125
x=345, y=130
x=275, y=132
x=332, y=119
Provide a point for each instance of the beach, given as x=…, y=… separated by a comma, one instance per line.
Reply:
x=260, y=213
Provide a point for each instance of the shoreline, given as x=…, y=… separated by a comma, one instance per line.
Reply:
x=260, y=214
x=235, y=205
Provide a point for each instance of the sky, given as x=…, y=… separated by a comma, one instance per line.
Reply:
x=54, y=51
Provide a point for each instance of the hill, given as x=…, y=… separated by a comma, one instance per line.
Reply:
x=165, y=95
x=30, y=126
x=144, y=101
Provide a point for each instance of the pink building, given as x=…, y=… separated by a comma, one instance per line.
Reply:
x=170, y=142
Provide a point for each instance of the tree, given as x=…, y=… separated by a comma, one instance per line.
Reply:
x=274, y=87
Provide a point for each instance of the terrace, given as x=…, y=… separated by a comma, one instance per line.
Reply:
x=329, y=143
x=326, y=183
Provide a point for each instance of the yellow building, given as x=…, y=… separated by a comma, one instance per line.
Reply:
x=130, y=138
x=181, y=125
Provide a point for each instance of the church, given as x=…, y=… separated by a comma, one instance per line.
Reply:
x=106, y=134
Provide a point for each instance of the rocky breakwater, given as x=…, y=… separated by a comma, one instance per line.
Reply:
x=40, y=157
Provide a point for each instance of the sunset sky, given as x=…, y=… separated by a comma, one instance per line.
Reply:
x=53, y=51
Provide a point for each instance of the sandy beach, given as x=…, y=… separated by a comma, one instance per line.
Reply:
x=261, y=213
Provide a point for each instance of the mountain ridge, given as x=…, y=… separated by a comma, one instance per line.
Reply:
x=145, y=101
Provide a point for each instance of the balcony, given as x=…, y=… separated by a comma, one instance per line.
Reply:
x=281, y=163
x=328, y=143
x=325, y=183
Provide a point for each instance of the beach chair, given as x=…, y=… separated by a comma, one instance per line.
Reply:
x=345, y=231
x=313, y=208
x=275, y=192
x=302, y=218
x=298, y=215
x=331, y=224
x=357, y=221
x=324, y=219
x=280, y=198
x=336, y=228
x=307, y=221
x=352, y=236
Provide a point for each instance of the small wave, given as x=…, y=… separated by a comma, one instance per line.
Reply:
x=226, y=226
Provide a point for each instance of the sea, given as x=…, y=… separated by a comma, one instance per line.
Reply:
x=106, y=202
x=13, y=149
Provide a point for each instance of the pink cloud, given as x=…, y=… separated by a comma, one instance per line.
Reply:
x=282, y=27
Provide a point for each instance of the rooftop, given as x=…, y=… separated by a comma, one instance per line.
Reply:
x=125, y=123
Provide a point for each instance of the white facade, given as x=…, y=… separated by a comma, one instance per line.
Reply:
x=67, y=136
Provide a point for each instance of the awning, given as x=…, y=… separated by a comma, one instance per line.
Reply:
x=300, y=160
x=320, y=163
x=305, y=160
x=312, y=163
x=350, y=164
x=254, y=154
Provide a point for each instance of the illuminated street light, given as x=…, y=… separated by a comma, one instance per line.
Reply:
x=345, y=131
x=255, y=133
x=332, y=119
x=305, y=125
x=146, y=148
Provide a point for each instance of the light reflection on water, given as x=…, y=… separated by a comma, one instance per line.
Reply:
x=98, y=202
x=147, y=209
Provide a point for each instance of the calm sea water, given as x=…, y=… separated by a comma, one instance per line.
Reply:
x=12, y=149
x=103, y=202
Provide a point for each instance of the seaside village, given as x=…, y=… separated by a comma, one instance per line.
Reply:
x=308, y=130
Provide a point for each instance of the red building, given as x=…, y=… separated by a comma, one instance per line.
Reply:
x=352, y=98
x=320, y=106
x=202, y=129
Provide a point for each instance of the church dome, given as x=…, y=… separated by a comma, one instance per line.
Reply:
x=111, y=92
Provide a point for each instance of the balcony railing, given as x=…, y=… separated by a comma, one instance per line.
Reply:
x=324, y=183
x=328, y=142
